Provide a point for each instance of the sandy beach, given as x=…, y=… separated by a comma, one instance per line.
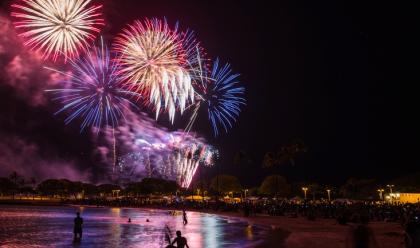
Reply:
x=301, y=233
x=321, y=233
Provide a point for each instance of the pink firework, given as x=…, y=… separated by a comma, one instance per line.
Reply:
x=56, y=27
x=155, y=62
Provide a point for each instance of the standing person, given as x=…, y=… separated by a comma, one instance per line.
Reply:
x=181, y=242
x=78, y=222
x=412, y=231
x=360, y=235
x=184, y=216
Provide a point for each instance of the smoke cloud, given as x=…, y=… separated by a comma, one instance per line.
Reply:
x=24, y=157
x=23, y=69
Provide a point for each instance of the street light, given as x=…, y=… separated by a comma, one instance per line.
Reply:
x=115, y=192
x=246, y=190
x=381, y=194
x=304, y=191
x=390, y=186
x=329, y=194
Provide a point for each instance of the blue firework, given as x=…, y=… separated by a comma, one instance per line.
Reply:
x=220, y=92
x=93, y=91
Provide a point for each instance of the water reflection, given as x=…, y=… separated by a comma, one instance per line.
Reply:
x=26, y=226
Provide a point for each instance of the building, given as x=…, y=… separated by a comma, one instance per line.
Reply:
x=404, y=197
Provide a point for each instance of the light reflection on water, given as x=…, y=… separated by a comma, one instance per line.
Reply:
x=28, y=226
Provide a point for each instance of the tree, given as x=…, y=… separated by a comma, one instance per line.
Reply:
x=134, y=189
x=74, y=188
x=107, y=189
x=32, y=181
x=314, y=190
x=358, y=189
x=89, y=189
x=225, y=184
x=17, y=180
x=54, y=187
x=407, y=183
x=6, y=186
x=158, y=186
x=275, y=185
x=241, y=158
x=286, y=154
x=202, y=185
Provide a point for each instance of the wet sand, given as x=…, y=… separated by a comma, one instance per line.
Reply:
x=321, y=233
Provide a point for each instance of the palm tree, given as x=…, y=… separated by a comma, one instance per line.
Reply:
x=286, y=154
x=14, y=177
x=32, y=181
x=21, y=184
x=315, y=189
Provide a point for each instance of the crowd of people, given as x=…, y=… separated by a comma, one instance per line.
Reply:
x=360, y=213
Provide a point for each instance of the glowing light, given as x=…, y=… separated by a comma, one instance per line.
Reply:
x=94, y=91
x=58, y=26
x=220, y=93
x=153, y=58
x=153, y=151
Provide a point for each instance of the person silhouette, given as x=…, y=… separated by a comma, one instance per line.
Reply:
x=184, y=216
x=361, y=235
x=78, y=222
x=181, y=242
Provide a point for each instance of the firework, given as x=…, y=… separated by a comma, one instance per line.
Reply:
x=220, y=93
x=154, y=58
x=165, y=161
x=93, y=91
x=58, y=26
x=153, y=151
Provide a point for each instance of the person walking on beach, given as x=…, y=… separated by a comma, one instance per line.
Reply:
x=360, y=235
x=184, y=216
x=78, y=222
x=181, y=242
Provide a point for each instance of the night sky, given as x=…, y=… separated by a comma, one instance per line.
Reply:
x=342, y=78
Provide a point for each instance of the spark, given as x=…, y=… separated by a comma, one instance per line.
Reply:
x=154, y=60
x=58, y=26
x=93, y=91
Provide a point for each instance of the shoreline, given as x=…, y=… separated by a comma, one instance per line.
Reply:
x=299, y=232
x=286, y=231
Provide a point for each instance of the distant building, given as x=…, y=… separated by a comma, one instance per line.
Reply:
x=404, y=197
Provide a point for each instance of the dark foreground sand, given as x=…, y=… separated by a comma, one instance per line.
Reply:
x=321, y=233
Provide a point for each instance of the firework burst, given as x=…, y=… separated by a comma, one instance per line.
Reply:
x=220, y=93
x=153, y=58
x=150, y=150
x=57, y=26
x=93, y=91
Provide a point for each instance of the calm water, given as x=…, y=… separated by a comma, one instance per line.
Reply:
x=28, y=226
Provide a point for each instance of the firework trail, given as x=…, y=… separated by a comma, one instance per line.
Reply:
x=93, y=92
x=154, y=58
x=58, y=26
x=219, y=92
x=153, y=151
x=178, y=164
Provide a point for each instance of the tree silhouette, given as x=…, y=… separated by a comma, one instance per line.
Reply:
x=225, y=184
x=358, y=188
x=286, y=154
x=6, y=185
x=275, y=185
x=32, y=181
x=17, y=180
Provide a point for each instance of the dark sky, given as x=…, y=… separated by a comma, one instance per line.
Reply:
x=340, y=77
